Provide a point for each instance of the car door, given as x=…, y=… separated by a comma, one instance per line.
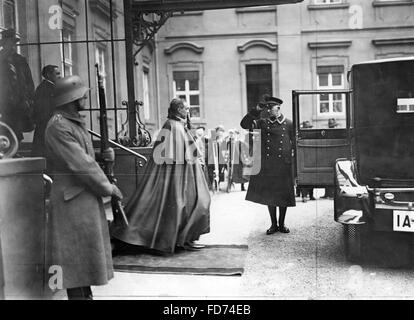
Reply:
x=322, y=126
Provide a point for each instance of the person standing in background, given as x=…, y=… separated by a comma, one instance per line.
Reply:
x=241, y=156
x=43, y=107
x=16, y=86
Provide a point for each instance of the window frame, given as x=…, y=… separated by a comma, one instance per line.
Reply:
x=331, y=100
x=67, y=60
x=188, y=92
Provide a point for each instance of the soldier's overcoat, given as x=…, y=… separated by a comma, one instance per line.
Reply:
x=273, y=185
x=78, y=231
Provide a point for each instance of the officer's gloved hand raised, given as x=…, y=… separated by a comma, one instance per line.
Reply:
x=108, y=155
x=116, y=192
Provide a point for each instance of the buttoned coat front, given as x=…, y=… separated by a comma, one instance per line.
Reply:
x=273, y=185
x=78, y=239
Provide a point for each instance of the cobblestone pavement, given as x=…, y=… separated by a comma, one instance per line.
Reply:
x=308, y=263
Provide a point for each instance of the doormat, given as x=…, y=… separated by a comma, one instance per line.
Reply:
x=217, y=260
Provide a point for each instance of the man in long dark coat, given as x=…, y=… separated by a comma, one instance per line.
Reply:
x=43, y=107
x=16, y=86
x=273, y=186
x=78, y=239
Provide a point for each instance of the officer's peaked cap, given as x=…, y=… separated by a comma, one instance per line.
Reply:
x=273, y=100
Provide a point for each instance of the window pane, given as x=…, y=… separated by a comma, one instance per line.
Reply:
x=324, y=97
x=194, y=84
x=195, y=112
x=194, y=100
x=337, y=79
x=324, y=107
x=182, y=97
x=337, y=96
x=180, y=85
x=9, y=14
x=323, y=80
x=337, y=107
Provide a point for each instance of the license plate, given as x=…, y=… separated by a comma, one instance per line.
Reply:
x=403, y=221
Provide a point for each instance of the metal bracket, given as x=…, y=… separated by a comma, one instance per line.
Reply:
x=145, y=30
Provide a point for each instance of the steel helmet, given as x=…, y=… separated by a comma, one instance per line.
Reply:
x=69, y=89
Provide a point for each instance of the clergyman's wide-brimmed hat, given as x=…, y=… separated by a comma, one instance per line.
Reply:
x=9, y=34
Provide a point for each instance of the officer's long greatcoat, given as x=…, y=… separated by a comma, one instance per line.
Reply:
x=78, y=231
x=273, y=185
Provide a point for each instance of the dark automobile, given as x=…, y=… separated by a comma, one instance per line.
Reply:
x=367, y=156
x=374, y=187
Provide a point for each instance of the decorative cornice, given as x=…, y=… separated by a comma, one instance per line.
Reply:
x=392, y=42
x=330, y=44
x=328, y=6
x=257, y=43
x=184, y=45
x=389, y=27
x=101, y=6
x=377, y=3
x=188, y=13
x=256, y=9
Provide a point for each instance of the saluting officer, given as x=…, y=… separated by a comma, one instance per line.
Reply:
x=273, y=185
x=79, y=235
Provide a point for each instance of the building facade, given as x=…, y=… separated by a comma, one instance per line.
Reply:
x=223, y=61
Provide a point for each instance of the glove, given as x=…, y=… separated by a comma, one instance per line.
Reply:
x=108, y=155
x=116, y=192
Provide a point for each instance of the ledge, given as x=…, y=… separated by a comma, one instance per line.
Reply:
x=184, y=45
x=328, y=6
x=392, y=42
x=330, y=44
x=188, y=13
x=255, y=9
x=377, y=3
x=257, y=43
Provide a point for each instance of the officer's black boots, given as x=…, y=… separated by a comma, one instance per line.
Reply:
x=282, y=215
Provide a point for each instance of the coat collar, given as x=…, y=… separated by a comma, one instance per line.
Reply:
x=280, y=120
x=76, y=117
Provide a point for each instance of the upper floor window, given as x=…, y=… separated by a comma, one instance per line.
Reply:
x=258, y=82
x=67, y=50
x=9, y=14
x=331, y=77
x=187, y=87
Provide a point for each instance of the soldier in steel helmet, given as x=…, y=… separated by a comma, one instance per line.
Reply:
x=79, y=235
